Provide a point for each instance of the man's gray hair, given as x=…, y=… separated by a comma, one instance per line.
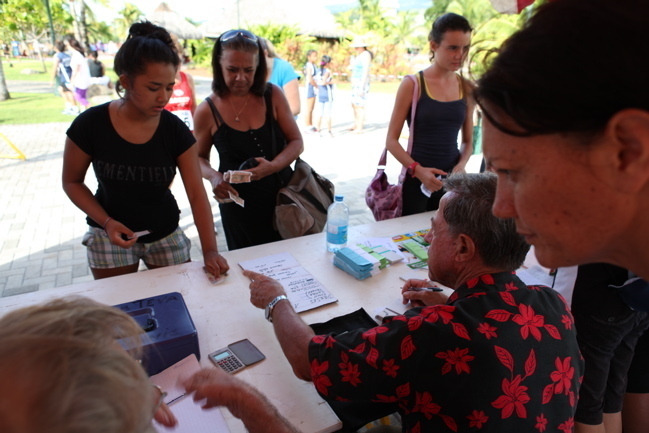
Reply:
x=468, y=211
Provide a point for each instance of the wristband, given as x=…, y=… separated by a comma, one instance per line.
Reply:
x=411, y=168
x=106, y=222
x=271, y=306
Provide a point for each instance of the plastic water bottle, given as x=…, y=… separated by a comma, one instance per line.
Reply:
x=337, y=223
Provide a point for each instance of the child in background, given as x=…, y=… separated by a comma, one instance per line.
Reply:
x=324, y=80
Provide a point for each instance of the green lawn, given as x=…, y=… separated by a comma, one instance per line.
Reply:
x=25, y=108
x=14, y=72
x=13, y=68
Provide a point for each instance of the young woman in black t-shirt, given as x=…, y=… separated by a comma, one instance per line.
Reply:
x=135, y=145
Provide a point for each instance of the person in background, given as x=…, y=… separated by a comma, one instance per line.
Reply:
x=250, y=124
x=311, y=89
x=282, y=74
x=635, y=411
x=80, y=78
x=97, y=71
x=183, y=100
x=360, y=82
x=607, y=332
x=498, y=356
x=68, y=373
x=135, y=147
x=324, y=79
x=444, y=109
x=61, y=73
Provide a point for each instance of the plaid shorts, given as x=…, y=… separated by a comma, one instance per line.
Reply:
x=170, y=250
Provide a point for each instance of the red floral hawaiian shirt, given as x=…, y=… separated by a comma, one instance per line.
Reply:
x=498, y=357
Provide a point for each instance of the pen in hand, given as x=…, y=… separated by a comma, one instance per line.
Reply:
x=422, y=299
x=426, y=289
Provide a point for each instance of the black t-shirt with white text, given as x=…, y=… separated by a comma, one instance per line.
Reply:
x=134, y=179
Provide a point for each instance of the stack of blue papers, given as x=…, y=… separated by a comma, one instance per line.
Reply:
x=351, y=262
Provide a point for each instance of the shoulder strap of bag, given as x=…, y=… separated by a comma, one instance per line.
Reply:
x=268, y=97
x=413, y=109
x=218, y=120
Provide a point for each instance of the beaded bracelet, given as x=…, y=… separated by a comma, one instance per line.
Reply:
x=106, y=222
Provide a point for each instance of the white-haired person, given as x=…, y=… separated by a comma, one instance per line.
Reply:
x=63, y=371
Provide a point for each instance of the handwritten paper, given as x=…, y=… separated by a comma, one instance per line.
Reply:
x=192, y=418
x=304, y=291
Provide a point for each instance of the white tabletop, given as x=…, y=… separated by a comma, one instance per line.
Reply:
x=223, y=313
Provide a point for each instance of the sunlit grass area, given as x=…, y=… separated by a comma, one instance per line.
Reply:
x=25, y=108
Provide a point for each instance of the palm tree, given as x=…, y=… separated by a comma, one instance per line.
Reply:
x=128, y=15
x=100, y=32
x=78, y=12
x=4, y=91
x=406, y=28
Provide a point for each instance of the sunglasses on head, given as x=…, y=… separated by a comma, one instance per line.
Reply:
x=231, y=34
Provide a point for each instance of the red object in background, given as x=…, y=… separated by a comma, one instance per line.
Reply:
x=510, y=6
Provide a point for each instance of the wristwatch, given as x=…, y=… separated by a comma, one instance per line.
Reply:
x=411, y=168
x=271, y=305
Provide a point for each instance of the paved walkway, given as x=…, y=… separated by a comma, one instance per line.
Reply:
x=41, y=230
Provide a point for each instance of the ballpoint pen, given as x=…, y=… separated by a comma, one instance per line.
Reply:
x=427, y=289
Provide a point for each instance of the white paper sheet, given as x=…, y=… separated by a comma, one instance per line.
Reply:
x=304, y=291
x=192, y=418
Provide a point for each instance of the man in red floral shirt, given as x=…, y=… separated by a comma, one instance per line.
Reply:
x=497, y=356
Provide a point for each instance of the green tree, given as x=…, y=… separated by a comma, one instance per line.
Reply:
x=26, y=20
x=437, y=9
x=100, y=32
x=289, y=44
x=4, y=91
x=389, y=35
x=128, y=15
x=83, y=19
x=77, y=9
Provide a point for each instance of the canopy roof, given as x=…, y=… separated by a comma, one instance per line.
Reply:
x=174, y=23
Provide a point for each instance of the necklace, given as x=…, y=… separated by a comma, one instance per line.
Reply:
x=236, y=118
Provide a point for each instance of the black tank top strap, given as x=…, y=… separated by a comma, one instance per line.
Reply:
x=422, y=84
x=218, y=120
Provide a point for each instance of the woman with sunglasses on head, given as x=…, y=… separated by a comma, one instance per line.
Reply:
x=135, y=146
x=444, y=109
x=251, y=126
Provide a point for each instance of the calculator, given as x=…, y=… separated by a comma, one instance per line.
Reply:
x=236, y=356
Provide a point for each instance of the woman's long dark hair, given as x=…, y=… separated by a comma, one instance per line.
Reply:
x=75, y=44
